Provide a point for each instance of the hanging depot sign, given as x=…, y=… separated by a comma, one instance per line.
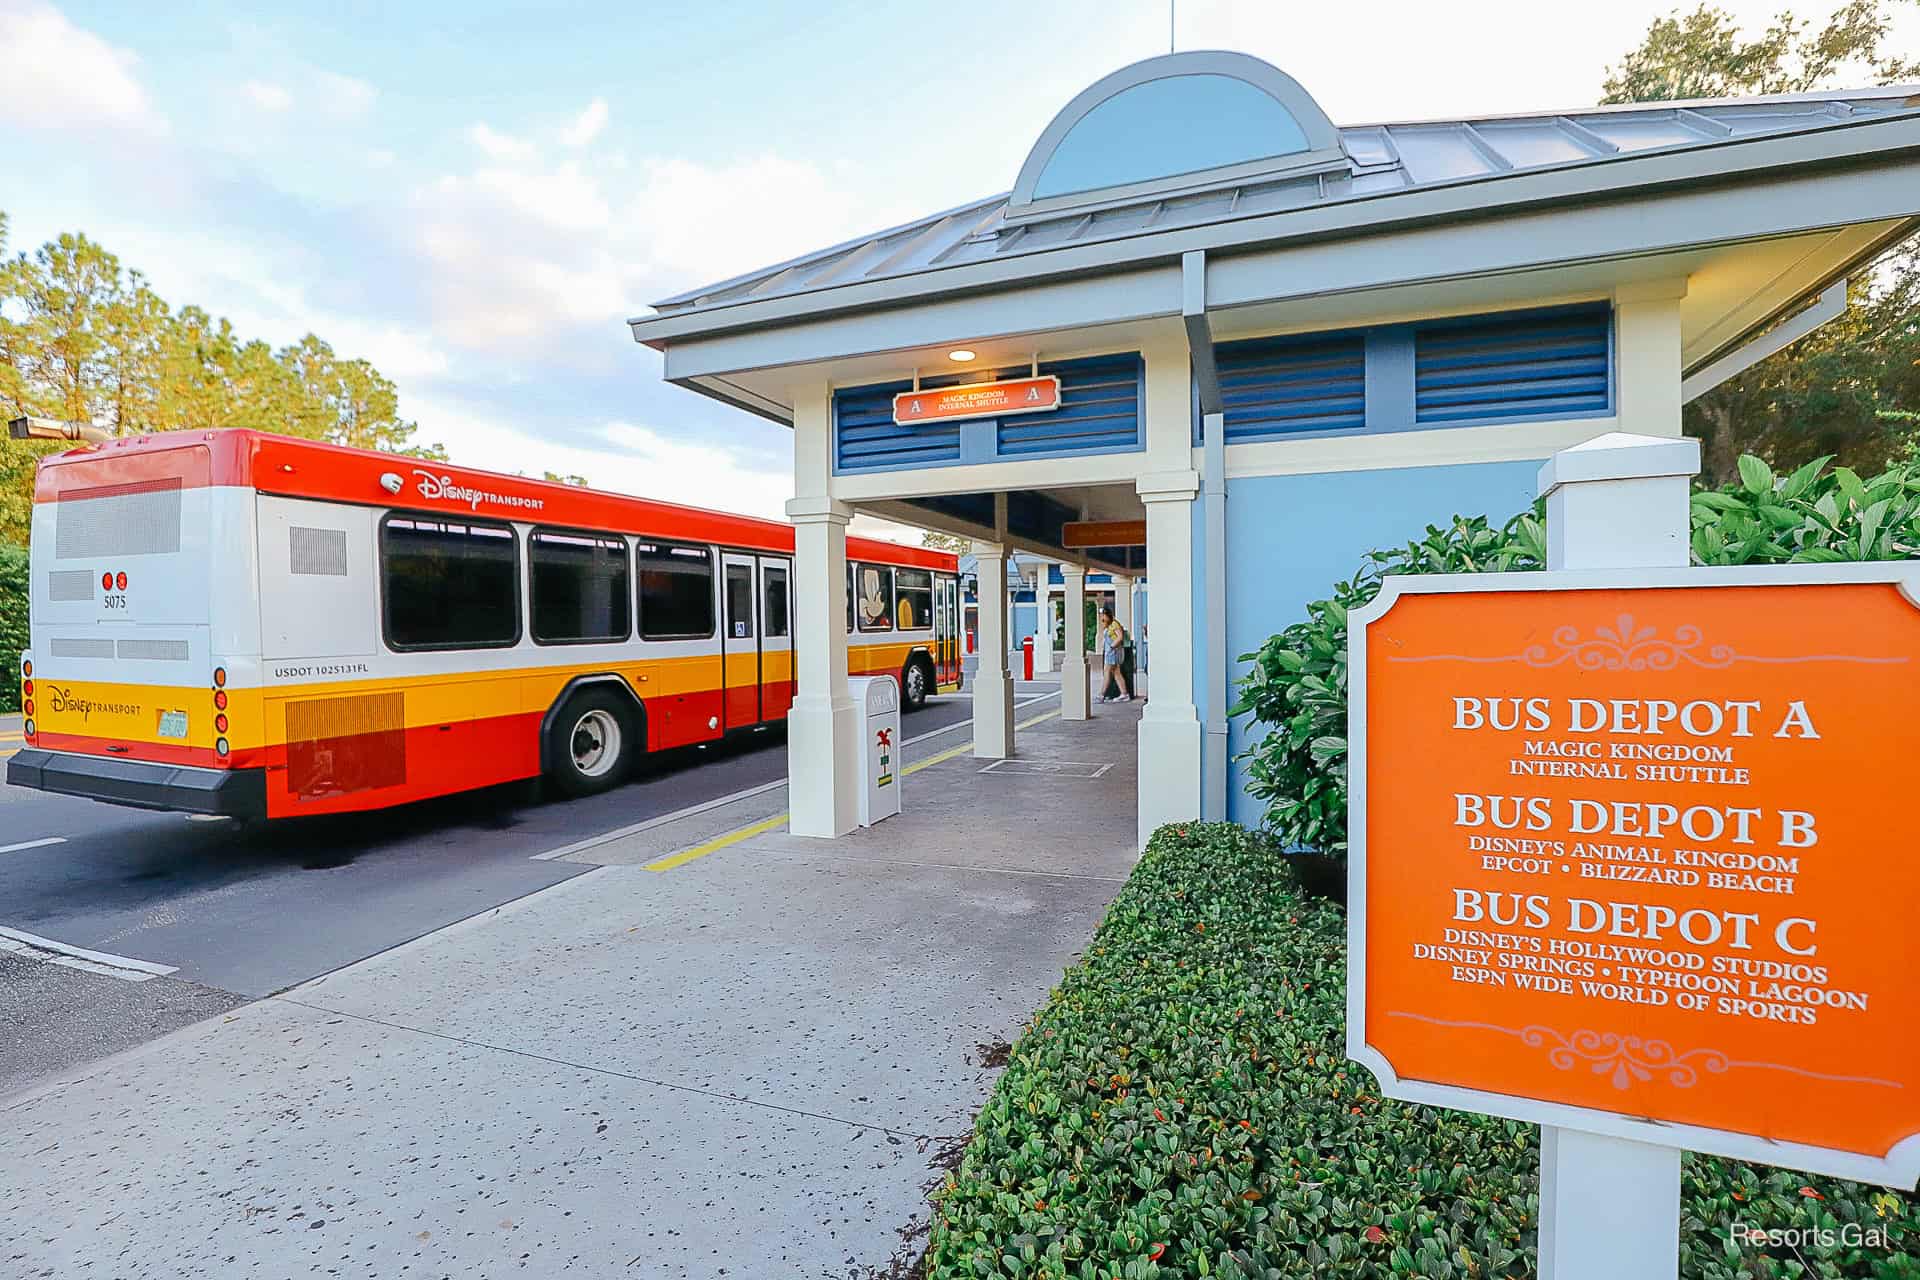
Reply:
x=978, y=400
x=1634, y=853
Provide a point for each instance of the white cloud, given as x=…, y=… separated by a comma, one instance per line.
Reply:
x=54, y=75
x=530, y=260
x=381, y=158
x=587, y=126
x=266, y=96
x=698, y=223
x=343, y=96
x=499, y=145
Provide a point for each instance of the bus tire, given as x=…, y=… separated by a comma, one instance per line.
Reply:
x=916, y=683
x=591, y=742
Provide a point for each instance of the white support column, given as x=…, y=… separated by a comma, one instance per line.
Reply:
x=1123, y=603
x=1073, y=659
x=992, y=684
x=1042, y=619
x=823, y=747
x=1647, y=355
x=1610, y=1207
x=1170, y=726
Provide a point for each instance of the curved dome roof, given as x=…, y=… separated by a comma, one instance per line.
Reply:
x=1180, y=122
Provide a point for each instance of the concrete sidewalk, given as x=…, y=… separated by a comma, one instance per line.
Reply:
x=742, y=1066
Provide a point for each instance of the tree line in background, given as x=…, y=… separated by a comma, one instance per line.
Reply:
x=84, y=339
x=1851, y=388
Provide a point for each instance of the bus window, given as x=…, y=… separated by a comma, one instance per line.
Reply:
x=676, y=591
x=740, y=601
x=875, y=585
x=849, y=597
x=912, y=599
x=773, y=614
x=579, y=587
x=449, y=584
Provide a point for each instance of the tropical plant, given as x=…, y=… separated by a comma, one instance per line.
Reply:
x=1296, y=683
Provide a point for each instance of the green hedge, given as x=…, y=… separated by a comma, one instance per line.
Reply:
x=13, y=622
x=1296, y=684
x=1183, y=1106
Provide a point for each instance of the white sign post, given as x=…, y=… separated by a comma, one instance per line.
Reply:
x=1610, y=1207
x=1609, y=827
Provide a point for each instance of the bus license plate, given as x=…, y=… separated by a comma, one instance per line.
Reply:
x=173, y=724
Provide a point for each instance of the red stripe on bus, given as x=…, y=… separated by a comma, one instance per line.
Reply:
x=296, y=468
x=124, y=749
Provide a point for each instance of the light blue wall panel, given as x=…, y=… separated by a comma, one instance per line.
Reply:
x=1290, y=538
x=1023, y=621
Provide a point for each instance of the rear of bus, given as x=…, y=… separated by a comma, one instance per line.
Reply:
x=142, y=594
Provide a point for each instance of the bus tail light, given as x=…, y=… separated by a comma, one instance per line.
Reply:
x=219, y=677
x=26, y=666
x=29, y=728
x=26, y=687
x=219, y=724
x=120, y=581
x=106, y=580
x=220, y=747
x=27, y=706
x=220, y=699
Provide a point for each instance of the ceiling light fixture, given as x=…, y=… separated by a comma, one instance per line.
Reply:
x=960, y=355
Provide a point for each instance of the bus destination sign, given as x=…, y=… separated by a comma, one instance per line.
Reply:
x=978, y=400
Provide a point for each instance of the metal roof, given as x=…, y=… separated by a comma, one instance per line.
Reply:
x=1386, y=159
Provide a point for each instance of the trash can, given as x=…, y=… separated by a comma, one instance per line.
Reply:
x=1026, y=658
x=876, y=699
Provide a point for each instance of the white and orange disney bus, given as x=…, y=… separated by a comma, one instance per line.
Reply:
x=240, y=623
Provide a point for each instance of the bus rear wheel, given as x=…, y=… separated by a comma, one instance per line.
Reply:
x=589, y=746
x=916, y=683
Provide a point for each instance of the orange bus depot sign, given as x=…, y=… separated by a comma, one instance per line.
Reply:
x=1636, y=853
x=978, y=400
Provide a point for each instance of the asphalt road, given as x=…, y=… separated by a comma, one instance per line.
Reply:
x=241, y=911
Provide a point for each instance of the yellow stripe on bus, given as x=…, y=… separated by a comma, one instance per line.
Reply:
x=257, y=715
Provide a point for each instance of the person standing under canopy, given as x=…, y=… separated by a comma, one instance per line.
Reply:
x=1113, y=642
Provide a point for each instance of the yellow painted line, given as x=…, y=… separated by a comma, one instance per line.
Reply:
x=720, y=842
x=716, y=844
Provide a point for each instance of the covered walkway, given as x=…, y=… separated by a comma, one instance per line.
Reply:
x=1263, y=344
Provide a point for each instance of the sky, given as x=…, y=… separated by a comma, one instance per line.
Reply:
x=476, y=196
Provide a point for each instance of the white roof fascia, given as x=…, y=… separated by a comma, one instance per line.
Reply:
x=1675, y=220
x=1140, y=294
x=1626, y=174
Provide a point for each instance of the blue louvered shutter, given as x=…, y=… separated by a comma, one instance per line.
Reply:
x=1271, y=388
x=1099, y=411
x=1541, y=364
x=866, y=438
